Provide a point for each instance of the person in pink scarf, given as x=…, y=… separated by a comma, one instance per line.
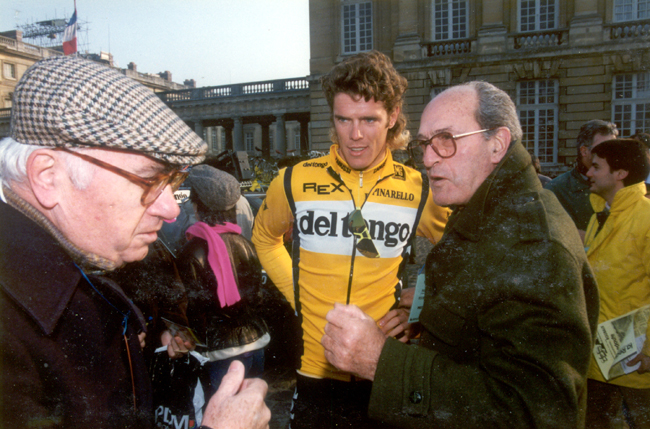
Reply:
x=223, y=280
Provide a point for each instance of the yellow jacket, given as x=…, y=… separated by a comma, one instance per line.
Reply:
x=620, y=258
x=323, y=192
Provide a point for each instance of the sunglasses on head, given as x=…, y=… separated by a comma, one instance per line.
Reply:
x=152, y=187
x=359, y=228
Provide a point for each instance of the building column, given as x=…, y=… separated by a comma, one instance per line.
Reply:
x=407, y=44
x=304, y=137
x=227, y=145
x=238, y=135
x=280, y=135
x=266, y=139
x=586, y=26
x=492, y=36
x=198, y=129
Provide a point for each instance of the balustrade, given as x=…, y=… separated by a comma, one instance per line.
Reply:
x=271, y=86
x=627, y=30
x=26, y=47
x=540, y=39
x=446, y=48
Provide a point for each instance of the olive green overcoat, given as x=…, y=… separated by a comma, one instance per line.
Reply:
x=508, y=321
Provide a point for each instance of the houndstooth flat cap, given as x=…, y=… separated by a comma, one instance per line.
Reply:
x=73, y=102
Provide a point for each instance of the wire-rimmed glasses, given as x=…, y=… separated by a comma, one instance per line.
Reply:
x=442, y=143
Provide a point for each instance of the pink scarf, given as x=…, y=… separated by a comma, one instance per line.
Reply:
x=218, y=258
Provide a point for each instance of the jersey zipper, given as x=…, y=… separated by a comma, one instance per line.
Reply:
x=338, y=178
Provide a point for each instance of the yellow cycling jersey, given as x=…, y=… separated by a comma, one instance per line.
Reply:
x=313, y=201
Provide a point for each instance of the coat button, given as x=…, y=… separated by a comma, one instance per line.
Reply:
x=415, y=397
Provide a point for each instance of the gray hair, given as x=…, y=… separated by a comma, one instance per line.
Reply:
x=495, y=109
x=590, y=129
x=13, y=164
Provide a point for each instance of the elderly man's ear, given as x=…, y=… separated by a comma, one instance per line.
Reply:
x=500, y=143
x=44, y=171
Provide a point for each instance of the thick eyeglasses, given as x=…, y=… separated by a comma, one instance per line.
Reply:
x=152, y=187
x=358, y=227
x=443, y=144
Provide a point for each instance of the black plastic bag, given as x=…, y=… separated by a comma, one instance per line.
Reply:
x=177, y=392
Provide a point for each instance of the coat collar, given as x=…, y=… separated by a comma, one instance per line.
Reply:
x=39, y=274
x=88, y=261
x=34, y=269
x=580, y=182
x=513, y=174
x=623, y=199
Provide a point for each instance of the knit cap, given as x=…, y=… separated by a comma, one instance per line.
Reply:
x=216, y=189
x=68, y=101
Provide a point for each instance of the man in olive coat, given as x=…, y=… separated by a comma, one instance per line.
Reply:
x=510, y=305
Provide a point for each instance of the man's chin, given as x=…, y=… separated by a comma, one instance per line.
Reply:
x=135, y=255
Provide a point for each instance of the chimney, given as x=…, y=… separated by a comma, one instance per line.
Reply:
x=190, y=83
x=133, y=66
x=167, y=75
x=17, y=35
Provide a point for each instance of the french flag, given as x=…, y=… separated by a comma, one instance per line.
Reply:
x=70, y=35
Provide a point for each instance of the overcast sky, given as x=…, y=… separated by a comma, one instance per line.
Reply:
x=215, y=42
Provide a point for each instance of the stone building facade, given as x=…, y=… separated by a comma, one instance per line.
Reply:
x=562, y=62
x=16, y=56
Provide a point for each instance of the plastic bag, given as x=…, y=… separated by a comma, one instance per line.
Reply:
x=177, y=392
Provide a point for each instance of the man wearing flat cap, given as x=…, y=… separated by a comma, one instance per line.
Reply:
x=87, y=180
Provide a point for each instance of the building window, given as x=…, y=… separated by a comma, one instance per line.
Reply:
x=631, y=10
x=631, y=103
x=537, y=104
x=435, y=91
x=357, y=27
x=9, y=71
x=537, y=15
x=249, y=141
x=449, y=19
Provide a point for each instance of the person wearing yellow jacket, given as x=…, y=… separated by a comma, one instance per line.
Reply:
x=617, y=243
x=352, y=215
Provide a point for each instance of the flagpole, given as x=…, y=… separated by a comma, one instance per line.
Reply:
x=76, y=53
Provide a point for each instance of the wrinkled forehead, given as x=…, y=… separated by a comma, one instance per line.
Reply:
x=599, y=138
x=451, y=110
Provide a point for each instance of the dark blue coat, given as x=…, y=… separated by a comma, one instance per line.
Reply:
x=62, y=351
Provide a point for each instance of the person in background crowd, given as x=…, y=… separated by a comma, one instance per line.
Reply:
x=618, y=248
x=353, y=214
x=223, y=279
x=572, y=188
x=538, y=169
x=245, y=217
x=510, y=305
x=645, y=139
x=88, y=175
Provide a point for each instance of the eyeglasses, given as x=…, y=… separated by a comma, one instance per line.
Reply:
x=443, y=144
x=358, y=227
x=152, y=187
